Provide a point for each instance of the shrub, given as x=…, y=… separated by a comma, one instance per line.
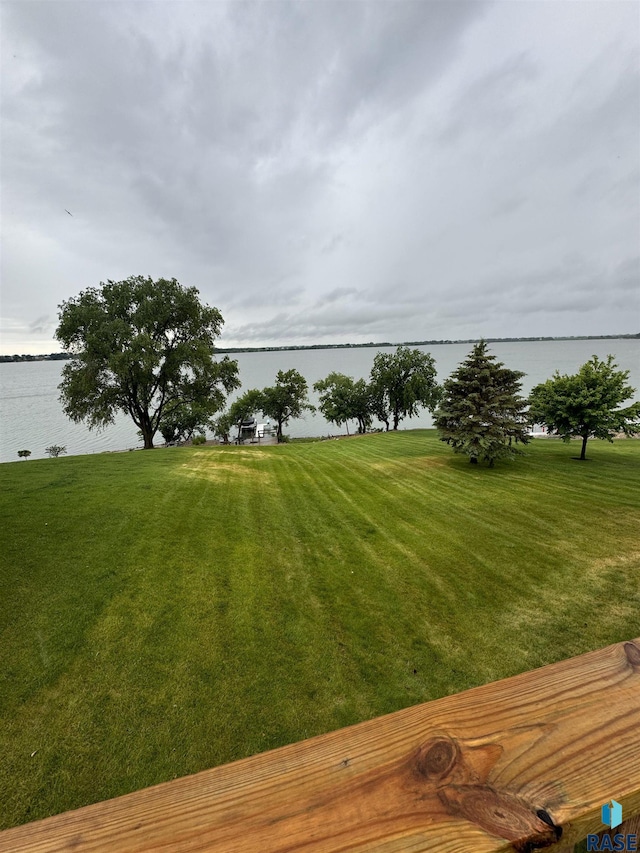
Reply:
x=198, y=439
x=23, y=454
x=55, y=449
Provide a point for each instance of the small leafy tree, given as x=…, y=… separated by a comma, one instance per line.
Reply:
x=286, y=399
x=145, y=348
x=335, y=398
x=343, y=399
x=481, y=413
x=223, y=425
x=24, y=454
x=55, y=450
x=403, y=382
x=587, y=404
x=245, y=408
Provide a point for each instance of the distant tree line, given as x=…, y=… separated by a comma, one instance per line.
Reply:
x=52, y=356
x=147, y=348
x=432, y=342
x=59, y=356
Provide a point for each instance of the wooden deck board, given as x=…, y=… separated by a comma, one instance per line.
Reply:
x=506, y=766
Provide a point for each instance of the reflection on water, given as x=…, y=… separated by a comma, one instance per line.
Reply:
x=31, y=416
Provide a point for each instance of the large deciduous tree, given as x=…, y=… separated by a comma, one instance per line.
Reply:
x=145, y=348
x=286, y=399
x=403, y=382
x=587, y=404
x=481, y=413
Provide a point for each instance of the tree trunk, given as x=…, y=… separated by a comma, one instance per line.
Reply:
x=144, y=422
x=147, y=435
x=583, y=454
x=473, y=460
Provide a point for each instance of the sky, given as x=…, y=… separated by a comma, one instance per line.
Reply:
x=325, y=172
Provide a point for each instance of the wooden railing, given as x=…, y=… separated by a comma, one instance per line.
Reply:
x=521, y=764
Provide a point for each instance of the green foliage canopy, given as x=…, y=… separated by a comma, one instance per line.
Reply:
x=182, y=420
x=145, y=348
x=244, y=408
x=223, y=425
x=361, y=408
x=402, y=383
x=587, y=404
x=343, y=399
x=481, y=413
x=286, y=399
x=379, y=404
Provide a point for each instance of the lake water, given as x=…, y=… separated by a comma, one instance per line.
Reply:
x=31, y=416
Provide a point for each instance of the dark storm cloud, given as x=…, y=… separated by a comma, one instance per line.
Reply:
x=337, y=170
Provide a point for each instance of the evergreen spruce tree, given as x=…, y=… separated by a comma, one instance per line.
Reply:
x=481, y=413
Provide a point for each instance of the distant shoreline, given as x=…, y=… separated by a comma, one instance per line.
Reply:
x=63, y=356
x=430, y=343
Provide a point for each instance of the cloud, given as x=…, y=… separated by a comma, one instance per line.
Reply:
x=326, y=171
x=492, y=103
x=332, y=244
x=41, y=325
x=339, y=293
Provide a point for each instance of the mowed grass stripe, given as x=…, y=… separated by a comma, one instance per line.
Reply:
x=336, y=557
x=417, y=520
x=164, y=612
x=552, y=568
x=351, y=589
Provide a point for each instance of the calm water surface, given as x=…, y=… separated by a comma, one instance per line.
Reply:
x=31, y=416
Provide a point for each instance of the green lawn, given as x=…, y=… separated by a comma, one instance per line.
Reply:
x=164, y=612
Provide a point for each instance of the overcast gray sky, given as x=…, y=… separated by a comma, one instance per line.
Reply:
x=326, y=172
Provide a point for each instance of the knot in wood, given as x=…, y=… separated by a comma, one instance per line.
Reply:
x=437, y=758
x=632, y=652
x=501, y=814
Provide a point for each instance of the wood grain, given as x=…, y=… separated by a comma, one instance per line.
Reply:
x=522, y=764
